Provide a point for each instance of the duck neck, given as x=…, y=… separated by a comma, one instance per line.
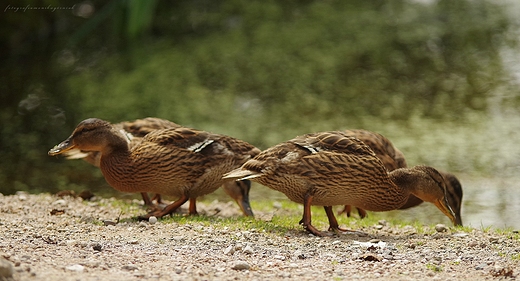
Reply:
x=116, y=164
x=388, y=192
x=409, y=181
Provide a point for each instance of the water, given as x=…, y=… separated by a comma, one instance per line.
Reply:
x=492, y=202
x=487, y=202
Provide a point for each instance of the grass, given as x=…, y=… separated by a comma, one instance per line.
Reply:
x=282, y=216
x=510, y=232
x=463, y=228
x=434, y=267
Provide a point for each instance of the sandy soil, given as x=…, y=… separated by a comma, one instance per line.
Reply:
x=45, y=237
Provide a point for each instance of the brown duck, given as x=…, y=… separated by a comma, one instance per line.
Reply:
x=180, y=162
x=392, y=159
x=134, y=131
x=332, y=168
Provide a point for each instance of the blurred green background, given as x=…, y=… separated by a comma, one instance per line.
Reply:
x=439, y=78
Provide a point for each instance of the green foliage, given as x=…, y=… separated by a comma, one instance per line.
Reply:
x=262, y=71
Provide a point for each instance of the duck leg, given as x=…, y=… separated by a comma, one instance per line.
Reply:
x=348, y=209
x=362, y=213
x=306, y=220
x=149, y=202
x=193, y=206
x=157, y=197
x=333, y=223
x=168, y=210
x=146, y=199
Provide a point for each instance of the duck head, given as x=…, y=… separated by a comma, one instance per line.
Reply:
x=427, y=184
x=92, y=134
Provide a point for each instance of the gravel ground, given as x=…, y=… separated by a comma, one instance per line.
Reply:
x=45, y=237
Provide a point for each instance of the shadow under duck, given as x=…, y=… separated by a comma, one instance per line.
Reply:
x=181, y=162
x=332, y=168
x=392, y=159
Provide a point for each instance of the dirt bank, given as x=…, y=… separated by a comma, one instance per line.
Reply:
x=45, y=237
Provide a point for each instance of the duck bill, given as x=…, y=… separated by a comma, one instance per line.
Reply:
x=65, y=145
x=245, y=206
x=239, y=191
x=445, y=209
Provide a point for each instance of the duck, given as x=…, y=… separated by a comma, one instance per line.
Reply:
x=331, y=168
x=134, y=131
x=392, y=159
x=180, y=162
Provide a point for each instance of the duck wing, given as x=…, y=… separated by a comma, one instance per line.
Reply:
x=142, y=127
x=211, y=146
x=391, y=157
x=304, y=154
x=333, y=141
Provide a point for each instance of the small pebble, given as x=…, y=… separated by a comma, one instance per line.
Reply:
x=371, y=257
x=409, y=229
x=152, y=220
x=229, y=250
x=97, y=247
x=248, y=250
x=493, y=239
x=177, y=238
x=481, y=266
x=142, y=224
x=135, y=241
x=129, y=267
x=441, y=228
x=75, y=267
x=60, y=202
x=388, y=256
x=6, y=269
x=108, y=222
x=240, y=265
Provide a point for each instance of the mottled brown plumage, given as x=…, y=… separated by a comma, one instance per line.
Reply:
x=392, y=159
x=180, y=162
x=134, y=131
x=332, y=168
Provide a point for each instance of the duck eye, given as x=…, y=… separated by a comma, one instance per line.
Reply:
x=85, y=129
